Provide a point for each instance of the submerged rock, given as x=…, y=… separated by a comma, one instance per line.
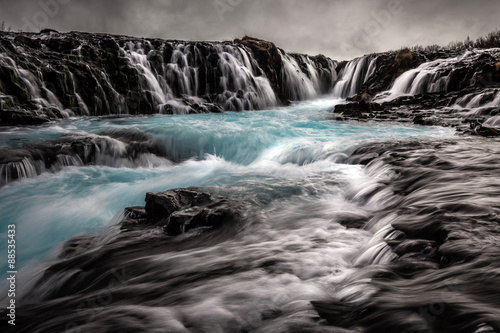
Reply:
x=22, y=117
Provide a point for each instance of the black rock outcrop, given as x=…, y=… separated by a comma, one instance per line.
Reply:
x=179, y=211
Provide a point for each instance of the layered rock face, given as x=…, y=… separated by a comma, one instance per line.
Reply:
x=53, y=75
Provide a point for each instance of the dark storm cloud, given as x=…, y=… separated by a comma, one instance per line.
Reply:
x=339, y=29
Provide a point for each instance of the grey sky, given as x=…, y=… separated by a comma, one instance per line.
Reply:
x=341, y=29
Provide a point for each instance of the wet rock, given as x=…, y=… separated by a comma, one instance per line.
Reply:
x=207, y=108
x=21, y=118
x=26, y=41
x=357, y=110
x=178, y=211
x=426, y=121
x=113, y=148
x=476, y=128
x=487, y=131
x=267, y=55
x=337, y=313
x=135, y=218
x=62, y=45
x=447, y=213
x=48, y=31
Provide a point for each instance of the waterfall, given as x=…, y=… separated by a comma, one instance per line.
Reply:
x=242, y=88
x=22, y=169
x=353, y=75
x=427, y=78
x=30, y=83
x=92, y=75
x=79, y=99
x=303, y=79
x=437, y=77
x=150, y=81
x=487, y=98
x=131, y=150
x=492, y=122
x=297, y=85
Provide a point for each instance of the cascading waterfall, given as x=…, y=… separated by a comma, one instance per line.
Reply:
x=242, y=89
x=241, y=85
x=353, y=75
x=429, y=77
x=30, y=83
x=16, y=170
x=302, y=79
x=436, y=76
x=103, y=150
x=297, y=84
x=79, y=99
x=489, y=98
x=150, y=80
x=83, y=74
x=492, y=122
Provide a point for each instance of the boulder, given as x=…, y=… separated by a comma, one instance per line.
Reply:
x=179, y=211
x=426, y=121
x=48, y=31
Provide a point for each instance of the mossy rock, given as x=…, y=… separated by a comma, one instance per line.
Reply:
x=404, y=57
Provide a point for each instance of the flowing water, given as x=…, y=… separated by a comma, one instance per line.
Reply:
x=325, y=237
x=352, y=77
x=436, y=76
x=284, y=165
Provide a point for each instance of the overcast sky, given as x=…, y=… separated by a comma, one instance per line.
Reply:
x=341, y=29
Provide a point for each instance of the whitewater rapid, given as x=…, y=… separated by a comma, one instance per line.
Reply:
x=247, y=152
x=286, y=166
